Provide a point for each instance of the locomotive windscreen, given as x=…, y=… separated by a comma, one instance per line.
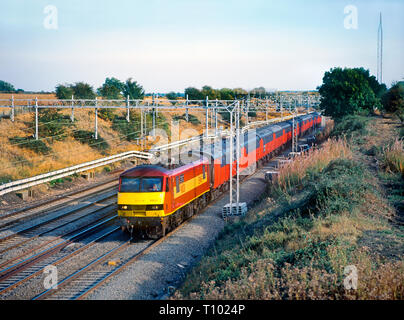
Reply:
x=147, y=184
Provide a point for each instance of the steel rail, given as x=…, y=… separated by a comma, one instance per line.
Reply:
x=22, y=273
x=46, y=243
x=26, y=231
x=57, y=199
x=108, y=274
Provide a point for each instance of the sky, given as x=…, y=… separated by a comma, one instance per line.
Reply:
x=168, y=45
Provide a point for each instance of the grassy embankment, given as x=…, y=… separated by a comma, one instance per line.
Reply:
x=328, y=210
x=63, y=143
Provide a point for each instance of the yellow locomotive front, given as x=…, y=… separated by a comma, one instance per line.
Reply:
x=141, y=198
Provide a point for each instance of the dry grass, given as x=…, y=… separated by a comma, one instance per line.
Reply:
x=292, y=174
x=393, y=157
x=264, y=281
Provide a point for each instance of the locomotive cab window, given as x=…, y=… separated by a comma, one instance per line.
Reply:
x=130, y=185
x=141, y=184
x=152, y=184
x=204, y=171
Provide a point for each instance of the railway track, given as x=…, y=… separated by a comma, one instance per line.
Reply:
x=43, y=208
x=82, y=282
x=60, y=220
x=21, y=272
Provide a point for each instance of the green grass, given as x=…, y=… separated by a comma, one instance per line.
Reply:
x=37, y=146
x=53, y=124
x=351, y=126
x=131, y=130
x=87, y=137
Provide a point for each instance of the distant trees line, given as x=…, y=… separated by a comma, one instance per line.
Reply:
x=343, y=92
x=114, y=88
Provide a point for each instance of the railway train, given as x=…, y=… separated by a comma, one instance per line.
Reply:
x=154, y=199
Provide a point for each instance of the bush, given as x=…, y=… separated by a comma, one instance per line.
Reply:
x=107, y=114
x=351, y=125
x=130, y=130
x=52, y=124
x=191, y=118
x=340, y=187
x=37, y=146
x=87, y=137
x=393, y=99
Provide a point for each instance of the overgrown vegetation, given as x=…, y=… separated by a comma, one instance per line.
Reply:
x=87, y=137
x=191, y=118
x=323, y=214
x=52, y=124
x=37, y=146
x=129, y=130
x=350, y=126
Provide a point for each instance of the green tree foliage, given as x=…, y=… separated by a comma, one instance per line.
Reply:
x=112, y=89
x=52, y=124
x=87, y=137
x=6, y=87
x=208, y=91
x=194, y=94
x=223, y=94
x=240, y=93
x=133, y=89
x=259, y=92
x=172, y=96
x=393, y=99
x=37, y=146
x=227, y=94
x=83, y=90
x=106, y=114
x=347, y=91
x=129, y=130
x=64, y=91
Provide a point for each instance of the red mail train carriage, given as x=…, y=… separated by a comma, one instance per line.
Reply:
x=153, y=199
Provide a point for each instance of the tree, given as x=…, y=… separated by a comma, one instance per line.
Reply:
x=208, y=91
x=64, y=91
x=347, y=91
x=133, y=90
x=240, y=93
x=83, y=90
x=227, y=94
x=112, y=89
x=6, y=87
x=393, y=99
x=193, y=94
x=258, y=92
x=172, y=96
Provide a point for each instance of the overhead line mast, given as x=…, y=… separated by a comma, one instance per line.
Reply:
x=380, y=51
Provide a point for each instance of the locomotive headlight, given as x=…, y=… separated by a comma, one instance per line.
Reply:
x=124, y=207
x=154, y=207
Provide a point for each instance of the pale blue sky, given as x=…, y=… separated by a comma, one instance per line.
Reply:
x=172, y=44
